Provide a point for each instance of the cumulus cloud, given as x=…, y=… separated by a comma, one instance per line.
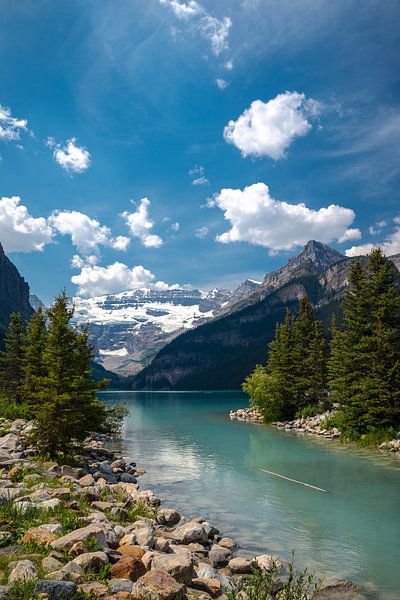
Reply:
x=118, y=277
x=255, y=217
x=350, y=234
x=70, y=156
x=87, y=234
x=140, y=225
x=19, y=231
x=215, y=30
x=390, y=246
x=269, y=128
x=11, y=127
x=377, y=228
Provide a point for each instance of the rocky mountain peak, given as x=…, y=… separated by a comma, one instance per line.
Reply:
x=321, y=255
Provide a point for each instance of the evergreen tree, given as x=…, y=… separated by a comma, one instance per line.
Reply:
x=364, y=364
x=65, y=399
x=33, y=365
x=11, y=374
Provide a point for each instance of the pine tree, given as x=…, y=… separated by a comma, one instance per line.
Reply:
x=11, y=374
x=364, y=365
x=66, y=404
x=33, y=365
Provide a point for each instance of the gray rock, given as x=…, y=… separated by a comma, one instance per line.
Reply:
x=51, y=564
x=50, y=504
x=144, y=535
x=56, y=590
x=168, y=517
x=334, y=588
x=219, y=556
x=190, y=532
x=179, y=566
x=80, y=535
x=11, y=443
x=128, y=478
x=91, y=561
x=106, y=468
x=240, y=565
x=205, y=571
x=52, y=527
x=210, y=529
x=24, y=570
x=5, y=591
x=120, y=585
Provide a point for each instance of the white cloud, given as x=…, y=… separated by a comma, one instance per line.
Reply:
x=87, y=234
x=377, y=228
x=72, y=158
x=221, y=83
x=215, y=30
x=269, y=128
x=199, y=174
x=350, y=234
x=118, y=277
x=140, y=225
x=201, y=232
x=184, y=10
x=390, y=246
x=11, y=127
x=255, y=217
x=175, y=226
x=229, y=65
x=19, y=231
x=78, y=262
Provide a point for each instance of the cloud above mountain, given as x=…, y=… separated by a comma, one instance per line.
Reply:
x=390, y=245
x=117, y=277
x=257, y=218
x=140, y=225
x=19, y=230
x=269, y=128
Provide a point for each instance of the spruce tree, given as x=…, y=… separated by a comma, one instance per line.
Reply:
x=11, y=374
x=33, y=365
x=364, y=365
x=66, y=404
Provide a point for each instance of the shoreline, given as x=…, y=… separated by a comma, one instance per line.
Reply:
x=190, y=558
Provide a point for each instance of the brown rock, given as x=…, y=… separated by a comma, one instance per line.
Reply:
x=86, y=481
x=94, y=589
x=179, y=566
x=128, y=567
x=158, y=586
x=210, y=586
x=77, y=549
x=226, y=542
x=129, y=550
x=80, y=535
x=39, y=536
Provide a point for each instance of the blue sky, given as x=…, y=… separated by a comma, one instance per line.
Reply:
x=284, y=114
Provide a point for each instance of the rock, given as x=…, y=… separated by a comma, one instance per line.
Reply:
x=210, y=586
x=128, y=478
x=179, y=566
x=52, y=527
x=210, y=530
x=147, y=559
x=162, y=545
x=24, y=570
x=39, y=496
x=56, y=590
x=240, y=565
x=76, y=473
x=267, y=562
x=334, y=588
x=128, y=567
x=91, y=561
x=80, y=535
x=51, y=564
x=168, y=517
x=118, y=513
x=39, y=536
x=158, y=585
x=77, y=549
x=205, y=571
x=11, y=443
x=105, y=468
x=129, y=550
x=219, y=556
x=190, y=532
x=5, y=591
x=50, y=504
x=129, y=538
x=94, y=589
x=69, y=572
x=144, y=536
x=226, y=542
x=86, y=480
x=102, y=506
x=120, y=585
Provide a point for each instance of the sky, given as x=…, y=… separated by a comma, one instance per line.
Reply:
x=170, y=142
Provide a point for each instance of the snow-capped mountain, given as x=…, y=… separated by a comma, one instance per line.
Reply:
x=130, y=327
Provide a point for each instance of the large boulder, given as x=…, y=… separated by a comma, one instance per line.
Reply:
x=11, y=443
x=179, y=566
x=91, y=561
x=219, y=556
x=91, y=532
x=128, y=567
x=334, y=588
x=24, y=570
x=168, y=517
x=190, y=532
x=56, y=590
x=158, y=585
x=240, y=565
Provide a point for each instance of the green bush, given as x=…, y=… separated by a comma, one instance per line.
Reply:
x=11, y=410
x=311, y=410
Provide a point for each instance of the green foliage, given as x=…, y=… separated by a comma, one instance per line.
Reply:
x=267, y=585
x=11, y=361
x=24, y=590
x=33, y=366
x=308, y=411
x=10, y=410
x=364, y=365
x=295, y=374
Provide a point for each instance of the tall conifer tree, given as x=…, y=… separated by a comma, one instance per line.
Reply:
x=11, y=374
x=33, y=365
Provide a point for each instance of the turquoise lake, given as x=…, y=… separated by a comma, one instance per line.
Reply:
x=202, y=463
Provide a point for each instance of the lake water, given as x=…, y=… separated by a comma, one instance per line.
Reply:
x=201, y=463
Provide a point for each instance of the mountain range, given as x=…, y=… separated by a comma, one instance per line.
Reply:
x=220, y=353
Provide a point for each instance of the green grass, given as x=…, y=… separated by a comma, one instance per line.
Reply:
x=24, y=591
x=10, y=410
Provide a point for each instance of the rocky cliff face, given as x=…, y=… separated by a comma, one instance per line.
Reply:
x=14, y=293
x=219, y=354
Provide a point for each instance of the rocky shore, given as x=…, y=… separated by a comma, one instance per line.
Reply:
x=246, y=414
x=67, y=531
x=312, y=425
